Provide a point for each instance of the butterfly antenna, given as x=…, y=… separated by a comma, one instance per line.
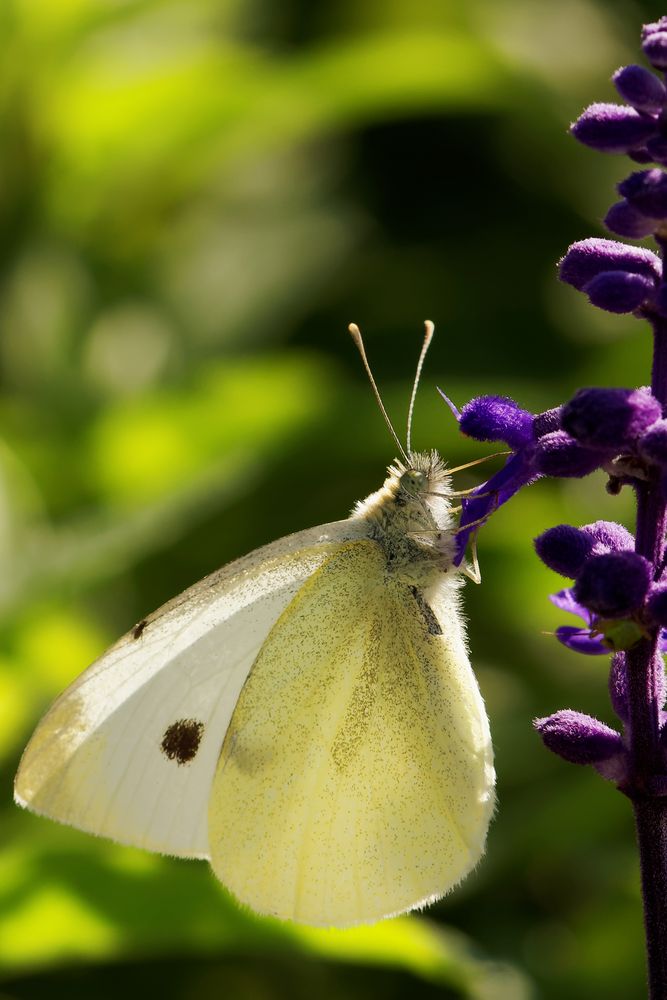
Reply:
x=479, y=461
x=428, y=337
x=356, y=337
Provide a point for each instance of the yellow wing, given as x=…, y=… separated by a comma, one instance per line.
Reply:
x=356, y=776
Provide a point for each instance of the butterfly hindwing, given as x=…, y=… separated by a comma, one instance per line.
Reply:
x=356, y=776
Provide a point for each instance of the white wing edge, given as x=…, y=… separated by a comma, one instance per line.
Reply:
x=96, y=761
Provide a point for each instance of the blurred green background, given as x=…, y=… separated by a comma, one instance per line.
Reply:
x=196, y=197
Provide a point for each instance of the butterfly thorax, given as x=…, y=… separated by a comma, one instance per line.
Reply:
x=410, y=516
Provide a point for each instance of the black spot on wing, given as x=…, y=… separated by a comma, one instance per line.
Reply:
x=181, y=740
x=432, y=623
x=138, y=629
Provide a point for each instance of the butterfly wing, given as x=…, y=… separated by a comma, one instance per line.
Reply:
x=129, y=751
x=356, y=776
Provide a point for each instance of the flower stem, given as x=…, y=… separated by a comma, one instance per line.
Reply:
x=643, y=663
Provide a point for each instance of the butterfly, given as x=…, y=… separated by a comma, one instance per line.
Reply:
x=305, y=718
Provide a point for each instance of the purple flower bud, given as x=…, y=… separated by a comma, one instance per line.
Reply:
x=610, y=418
x=614, y=584
x=588, y=258
x=655, y=47
x=656, y=149
x=609, y=536
x=564, y=549
x=545, y=423
x=618, y=291
x=613, y=128
x=557, y=454
x=625, y=220
x=646, y=190
x=640, y=88
x=578, y=738
x=496, y=418
x=653, y=28
x=656, y=605
x=653, y=444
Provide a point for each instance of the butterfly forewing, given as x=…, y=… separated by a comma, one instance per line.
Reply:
x=129, y=751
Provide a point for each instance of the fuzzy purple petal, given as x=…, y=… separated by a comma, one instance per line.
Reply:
x=564, y=600
x=497, y=418
x=557, y=454
x=610, y=418
x=547, y=422
x=588, y=258
x=581, y=641
x=653, y=27
x=518, y=471
x=640, y=88
x=564, y=549
x=655, y=48
x=614, y=584
x=613, y=128
x=618, y=291
x=646, y=190
x=626, y=220
x=578, y=738
x=609, y=536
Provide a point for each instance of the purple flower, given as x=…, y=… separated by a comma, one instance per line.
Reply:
x=618, y=292
x=588, y=258
x=625, y=220
x=646, y=191
x=565, y=548
x=613, y=584
x=539, y=447
x=497, y=418
x=579, y=738
x=615, y=277
x=640, y=88
x=613, y=128
x=558, y=454
x=586, y=639
x=610, y=418
x=654, y=43
x=597, y=636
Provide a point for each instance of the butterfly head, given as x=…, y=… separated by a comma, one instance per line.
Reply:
x=413, y=481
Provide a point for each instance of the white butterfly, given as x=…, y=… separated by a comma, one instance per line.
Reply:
x=306, y=718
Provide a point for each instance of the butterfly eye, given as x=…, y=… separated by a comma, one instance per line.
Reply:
x=412, y=480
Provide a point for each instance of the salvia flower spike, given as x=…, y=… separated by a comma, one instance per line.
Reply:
x=618, y=582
